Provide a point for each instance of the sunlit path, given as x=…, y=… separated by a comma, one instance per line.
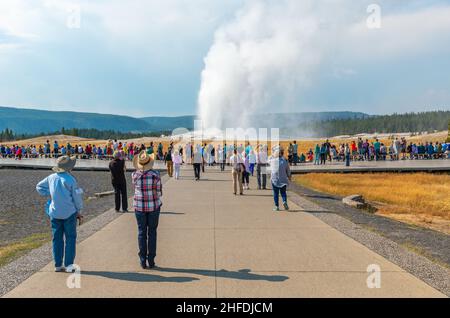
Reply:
x=214, y=244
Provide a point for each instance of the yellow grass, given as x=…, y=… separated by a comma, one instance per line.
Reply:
x=16, y=249
x=418, y=198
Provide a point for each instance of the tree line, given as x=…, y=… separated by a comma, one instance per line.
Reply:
x=396, y=123
x=9, y=135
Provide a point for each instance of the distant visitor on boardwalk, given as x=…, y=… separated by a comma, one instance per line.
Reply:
x=64, y=209
x=119, y=182
x=147, y=204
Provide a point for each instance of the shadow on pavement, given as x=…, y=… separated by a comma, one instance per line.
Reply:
x=173, y=213
x=243, y=274
x=139, y=277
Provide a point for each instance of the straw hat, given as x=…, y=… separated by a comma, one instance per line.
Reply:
x=144, y=161
x=65, y=164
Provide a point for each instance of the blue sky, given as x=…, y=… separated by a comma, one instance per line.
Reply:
x=144, y=58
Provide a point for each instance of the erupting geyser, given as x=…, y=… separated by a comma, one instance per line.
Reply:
x=259, y=62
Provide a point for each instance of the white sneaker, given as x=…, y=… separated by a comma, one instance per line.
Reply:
x=59, y=269
x=70, y=269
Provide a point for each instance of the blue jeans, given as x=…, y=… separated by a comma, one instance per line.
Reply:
x=64, y=230
x=347, y=160
x=147, y=225
x=276, y=192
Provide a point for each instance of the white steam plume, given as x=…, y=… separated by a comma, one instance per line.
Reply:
x=259, y=61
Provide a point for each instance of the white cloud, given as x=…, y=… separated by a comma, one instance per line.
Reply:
x=413, y=33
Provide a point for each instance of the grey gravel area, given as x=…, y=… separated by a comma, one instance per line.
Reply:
x=423, y=268
x=22, y=209
x=15, y=272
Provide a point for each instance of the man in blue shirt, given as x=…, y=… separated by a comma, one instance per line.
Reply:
x=64, y=209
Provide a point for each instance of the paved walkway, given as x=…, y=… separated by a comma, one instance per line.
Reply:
x=358, y=166
x=214, y=244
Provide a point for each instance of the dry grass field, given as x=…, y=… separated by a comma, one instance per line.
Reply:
x=418, y=198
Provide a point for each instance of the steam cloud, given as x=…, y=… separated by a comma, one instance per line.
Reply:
x=260, y=62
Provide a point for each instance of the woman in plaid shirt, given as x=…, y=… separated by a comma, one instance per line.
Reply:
x=147, y=204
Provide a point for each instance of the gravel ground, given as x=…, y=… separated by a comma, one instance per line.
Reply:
x=356, y=227
x=22, y=209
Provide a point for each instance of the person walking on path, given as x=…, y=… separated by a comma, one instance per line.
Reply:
x=261, y=167
x=236, y=171
x=117, y=168
x=169, y=162
x=160, y=152
x=280, y=176
x=246, y=172
x=323, y=154
x=317, y=155
x=177, y=161
x=198, y=160
x=221, y=157
x=252, y=161
x=295, y=152
x=147, y=205
x=64, y=209
x=204, y=157
x=347, y=155
x=188, y=153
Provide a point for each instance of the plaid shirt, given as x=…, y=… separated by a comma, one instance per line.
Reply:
x=147, y=191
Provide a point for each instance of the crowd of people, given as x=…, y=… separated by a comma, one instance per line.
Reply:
x=363, y=150
x=356, y=150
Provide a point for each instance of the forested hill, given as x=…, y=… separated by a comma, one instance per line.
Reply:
x=396, y=123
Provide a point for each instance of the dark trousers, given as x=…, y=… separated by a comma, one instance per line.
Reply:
x=295, y=158
x=197, y=170
x=147, y=234
x=246, y=177
x=120, y=193
x=323, y=158
x=261, y=175
x=222, y=165
x=276, y=192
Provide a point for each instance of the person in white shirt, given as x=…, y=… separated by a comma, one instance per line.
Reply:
x=261, y=167
x=236, y=171
x=177, y=161
x=188, y=152
x=221, y=157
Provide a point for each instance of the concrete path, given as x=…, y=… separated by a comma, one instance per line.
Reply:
x=358, y=166
x=214, y=244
